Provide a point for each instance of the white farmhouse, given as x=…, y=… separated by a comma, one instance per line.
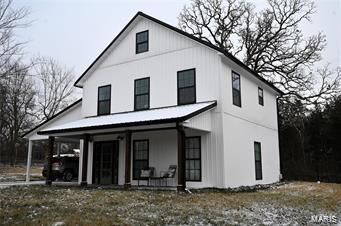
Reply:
x=158, y=98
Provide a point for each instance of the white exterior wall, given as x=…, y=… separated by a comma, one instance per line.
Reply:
x=163, y=153
x=227, y=151
x=246, y=124
x=161, y=64
x=70, y=115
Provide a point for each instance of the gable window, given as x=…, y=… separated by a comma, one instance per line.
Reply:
x=186, y=87
x=236, y=89
x=142, y=42
x=141, y=94
x=260, y=96
x=258, y=161
x=104, y=99
x=140, y=157
x=193, y=158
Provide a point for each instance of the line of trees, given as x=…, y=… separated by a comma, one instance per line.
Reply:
x=29, y=92
x=272, y=43
x=311, y=147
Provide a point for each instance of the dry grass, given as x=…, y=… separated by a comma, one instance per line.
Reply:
x=292, y=203
x=5, y=169
x=18, y=173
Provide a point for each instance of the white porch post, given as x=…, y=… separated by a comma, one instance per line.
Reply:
x=80, y=164
x=29, y=160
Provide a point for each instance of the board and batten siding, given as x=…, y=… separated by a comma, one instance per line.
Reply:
x=246, y=124
x=121, y=68
x=227, y=151
x=70, y=115
x=163, y=152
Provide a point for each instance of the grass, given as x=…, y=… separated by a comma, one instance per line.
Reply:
x=292, y=203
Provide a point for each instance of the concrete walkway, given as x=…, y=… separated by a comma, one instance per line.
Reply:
x=40, y=182
x=20, y=183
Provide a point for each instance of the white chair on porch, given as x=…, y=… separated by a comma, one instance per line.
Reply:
x=169, y=174
x=146, y=174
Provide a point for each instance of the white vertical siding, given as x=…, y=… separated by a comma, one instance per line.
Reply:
x=169, y=52
x=161, y=41
x=246, y=124
x=70, y=115
x=227, y=151
x=239, y=158
x=162, y=151
x=200, y=122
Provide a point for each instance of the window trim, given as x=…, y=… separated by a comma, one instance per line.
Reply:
x=138, y=43
x=239, y=91
x=133, y=170
x=194, y=85
x=261, y=98
x=260, y=161
x=136, y=95
x=98, y=101
x=200, y=179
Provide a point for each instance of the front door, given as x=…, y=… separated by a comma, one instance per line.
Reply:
x=105, y=170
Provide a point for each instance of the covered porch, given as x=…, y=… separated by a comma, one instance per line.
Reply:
x=115, y=148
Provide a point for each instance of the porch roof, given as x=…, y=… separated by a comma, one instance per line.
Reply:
x=169, y=114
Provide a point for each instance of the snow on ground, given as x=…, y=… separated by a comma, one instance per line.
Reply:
x=288, y=204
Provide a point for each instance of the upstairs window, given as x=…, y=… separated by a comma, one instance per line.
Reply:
x=104, y=99
x=260, y=96
x=186, y=87
x=258, y=161
x=142, y=42
x=236, y=89
x=141, y=99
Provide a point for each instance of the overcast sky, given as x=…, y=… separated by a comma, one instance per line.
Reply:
x=76, y=31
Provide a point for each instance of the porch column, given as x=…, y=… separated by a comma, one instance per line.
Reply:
x=127, y=182
x=181, y=159
x=85, y=160
x=49, y=162
x=29, y=160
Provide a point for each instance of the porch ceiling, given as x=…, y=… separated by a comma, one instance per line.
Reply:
x=154, y=116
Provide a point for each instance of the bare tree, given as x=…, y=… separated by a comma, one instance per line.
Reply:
x=269, y=41
x=10, y=51
x=213, y=21
x=19, y=106
x=55, y=86
x=10, y=19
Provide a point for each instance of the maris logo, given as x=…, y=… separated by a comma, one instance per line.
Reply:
x=321, y=219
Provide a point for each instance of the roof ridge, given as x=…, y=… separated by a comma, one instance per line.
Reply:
x=208, y=44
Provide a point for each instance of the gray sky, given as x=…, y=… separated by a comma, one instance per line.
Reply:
x=76, y=31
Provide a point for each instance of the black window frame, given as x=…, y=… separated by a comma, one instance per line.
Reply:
x=258, y=163
x=136, y=95
x=234, y=90
x=99, y=101
x=260, y=98
x=143, y=42
x=193, y=86
x=193, y=159
x=136, y=177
